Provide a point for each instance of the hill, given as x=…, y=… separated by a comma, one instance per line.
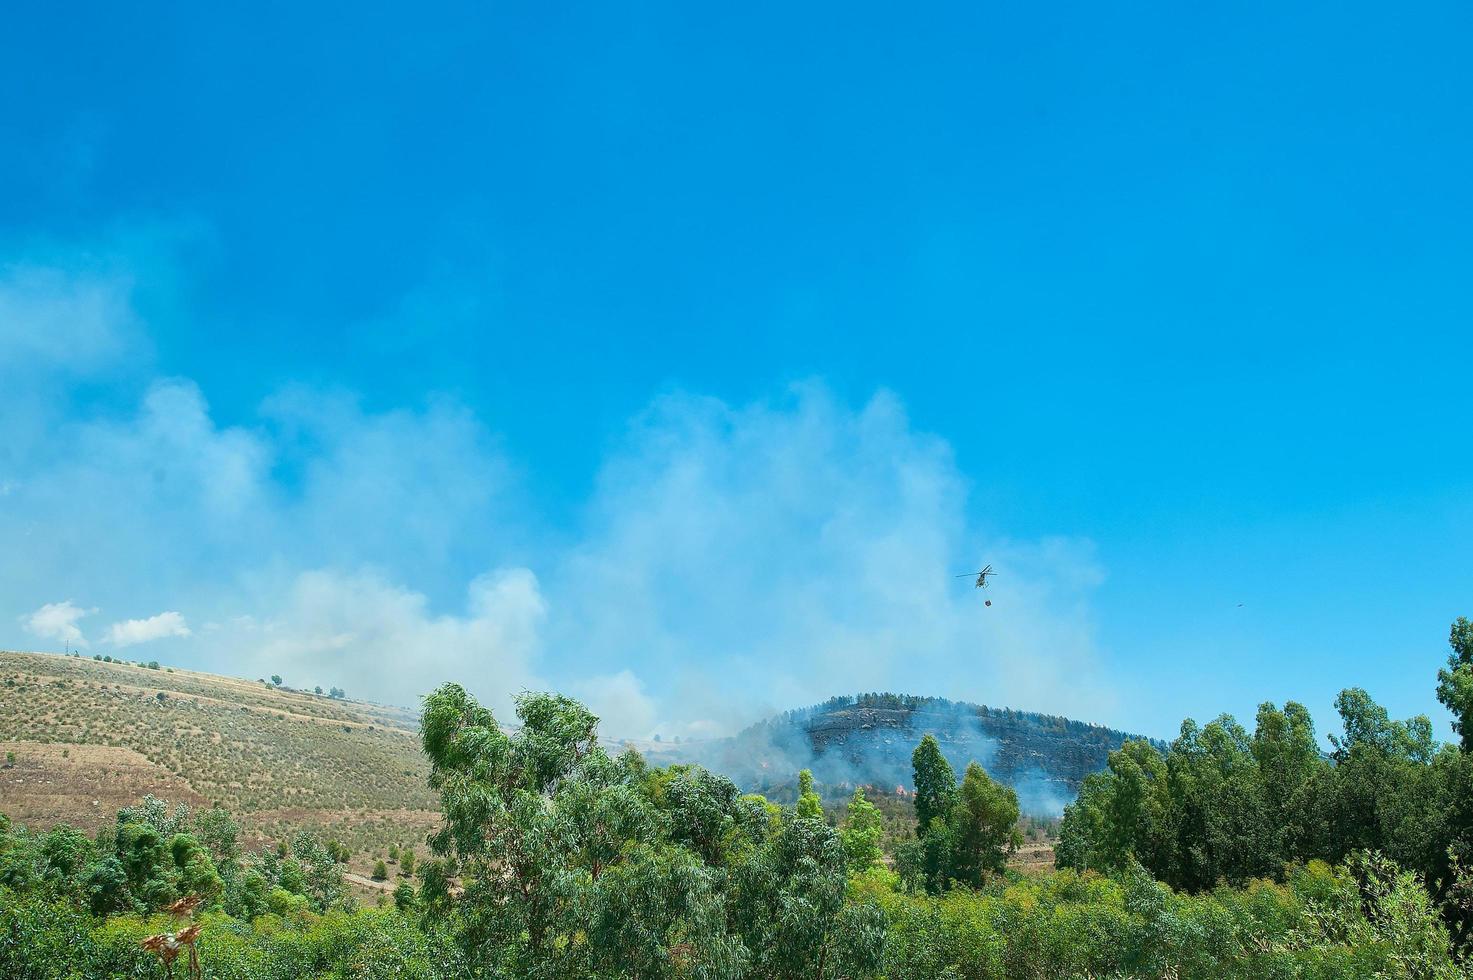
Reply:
x=89, y=737
x=867, y=740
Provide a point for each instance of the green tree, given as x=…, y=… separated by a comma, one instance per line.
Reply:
x=935, y=782
x=380, y=870
x=290, y=877
x=573, y=863
x=659, y=913
x=1142, y=818
x=984, y=827
x=1086, y=830
x=1223, y=806
x=861, y=833
x=321, y=877
x=810, y=807
x=106, y=887
x=705, y=811
x=1121, y=815
x=1289, y=768
x=193, y=871
x=158, y=858
x=66, y=853
x=246, y=893
x=1221, y=826
x=542, y=824
x=275, y=680
x=218, y=831
x=789, y=907
x=1455, y=682
x=1385, y=792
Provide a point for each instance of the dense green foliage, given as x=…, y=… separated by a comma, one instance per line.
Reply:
x=44, y=939
x=579, y=864
x=153, y=855
x=1368, y=919
x=1223, y=805
x=964, y=834
x=77, y=907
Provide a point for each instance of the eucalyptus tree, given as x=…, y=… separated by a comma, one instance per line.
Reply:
x=566, y=864
x=984, y=827
x=789, y=905
x=1291, y=772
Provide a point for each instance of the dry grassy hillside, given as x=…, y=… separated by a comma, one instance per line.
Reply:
x=89, y=737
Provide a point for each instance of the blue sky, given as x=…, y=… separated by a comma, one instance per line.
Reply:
x=677, y=357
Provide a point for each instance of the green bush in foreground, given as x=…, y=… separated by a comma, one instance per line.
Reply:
x=1365, y=920
x=42, y=940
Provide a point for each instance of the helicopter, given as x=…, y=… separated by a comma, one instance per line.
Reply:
x=981, y=576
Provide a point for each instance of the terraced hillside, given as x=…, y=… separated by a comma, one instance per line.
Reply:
x=89, y=737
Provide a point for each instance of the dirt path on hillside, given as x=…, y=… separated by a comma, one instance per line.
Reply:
x=364, y=882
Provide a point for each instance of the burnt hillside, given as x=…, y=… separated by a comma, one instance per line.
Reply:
x=867, y=739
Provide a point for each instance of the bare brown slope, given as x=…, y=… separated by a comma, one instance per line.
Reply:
x=276, y=757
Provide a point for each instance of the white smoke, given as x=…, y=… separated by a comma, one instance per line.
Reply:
x=733, y=559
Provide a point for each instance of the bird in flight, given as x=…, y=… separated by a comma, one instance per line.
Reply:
x=982, y=576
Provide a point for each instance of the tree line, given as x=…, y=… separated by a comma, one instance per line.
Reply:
x=1221, y=804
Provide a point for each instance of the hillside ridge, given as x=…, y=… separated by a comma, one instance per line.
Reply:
x=867, y=739
x=91, y=736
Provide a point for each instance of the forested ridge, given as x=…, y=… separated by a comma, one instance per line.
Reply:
x=1224, y=854
x=866, y=740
